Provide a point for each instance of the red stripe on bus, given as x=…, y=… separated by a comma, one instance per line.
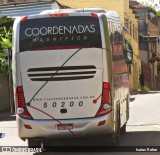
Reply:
x=53, y=118
x=59, y=47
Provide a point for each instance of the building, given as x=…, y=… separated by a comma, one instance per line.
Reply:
x=26, y=8
x=154, y=50
x=131, y=23
x=149, y=44
x=128, y=19
x=21, y=1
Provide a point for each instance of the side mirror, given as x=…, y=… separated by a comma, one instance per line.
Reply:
x=129, y=52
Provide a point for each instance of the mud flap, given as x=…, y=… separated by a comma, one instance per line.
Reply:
x=116, y=135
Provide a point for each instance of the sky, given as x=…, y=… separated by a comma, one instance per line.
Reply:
x=154, y=3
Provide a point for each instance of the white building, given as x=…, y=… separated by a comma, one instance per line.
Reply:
x=26, y=7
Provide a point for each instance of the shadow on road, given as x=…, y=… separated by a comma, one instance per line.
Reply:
x=6, y=116
x=141, y=138
x=132, y=99
x=150, y=92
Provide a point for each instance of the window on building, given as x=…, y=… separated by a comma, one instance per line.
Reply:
x=136, y=34
x=133, y=32
x=155, y=47
x=130, y=28
x=126, y=23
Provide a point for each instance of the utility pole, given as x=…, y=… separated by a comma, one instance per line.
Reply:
x=8, y=54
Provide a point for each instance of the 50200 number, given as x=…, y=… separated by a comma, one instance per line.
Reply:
x=63, y=104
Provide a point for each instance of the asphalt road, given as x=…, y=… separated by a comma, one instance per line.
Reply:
x=142, y=128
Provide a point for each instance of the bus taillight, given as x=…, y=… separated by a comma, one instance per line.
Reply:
x=24, y=18
x=106, y=93
x=106, y=100
x=21, y=105
x=20, y=96
x=94, y=15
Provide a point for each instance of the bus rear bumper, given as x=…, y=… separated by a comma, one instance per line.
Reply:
x=81, y=127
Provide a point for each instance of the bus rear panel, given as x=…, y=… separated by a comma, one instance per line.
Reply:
x=60, y=63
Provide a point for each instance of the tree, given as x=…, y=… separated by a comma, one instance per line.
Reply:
x=5, y=41
x=154, y=5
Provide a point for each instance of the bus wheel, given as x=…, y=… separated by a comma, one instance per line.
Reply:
x=47, y=145
x=116, y=139
x=33, y=143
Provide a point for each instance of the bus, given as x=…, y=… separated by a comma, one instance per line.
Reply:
x=70, y=76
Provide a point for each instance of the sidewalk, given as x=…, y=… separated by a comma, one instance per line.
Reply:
x=8, y=126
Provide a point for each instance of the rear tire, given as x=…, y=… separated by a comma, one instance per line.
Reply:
x=33, y=143
x=123, y=129
x=47, y=145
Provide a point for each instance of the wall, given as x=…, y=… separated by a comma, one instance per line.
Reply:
x=4, y=94
x=105, y=4
x=131, y=24
x=144, y=56
x=153, y=28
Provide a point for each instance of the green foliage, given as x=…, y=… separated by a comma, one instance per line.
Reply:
x=146, y=89
x=5, y=43
x=5, y=20
x=3, y=67
x=158, y=14
x=5, y=38
x=5, y=35
x=152, y=6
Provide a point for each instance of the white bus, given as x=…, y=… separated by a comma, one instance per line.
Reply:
x=70, y=76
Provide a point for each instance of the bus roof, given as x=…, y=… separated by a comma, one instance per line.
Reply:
x=110, y=14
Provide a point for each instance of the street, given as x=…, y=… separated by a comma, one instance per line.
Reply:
x=142, y=128
x=84, y=76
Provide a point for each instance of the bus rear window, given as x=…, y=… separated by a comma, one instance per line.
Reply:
x=60, y=33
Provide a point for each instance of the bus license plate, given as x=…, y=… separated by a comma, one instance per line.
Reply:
x=64, y=126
